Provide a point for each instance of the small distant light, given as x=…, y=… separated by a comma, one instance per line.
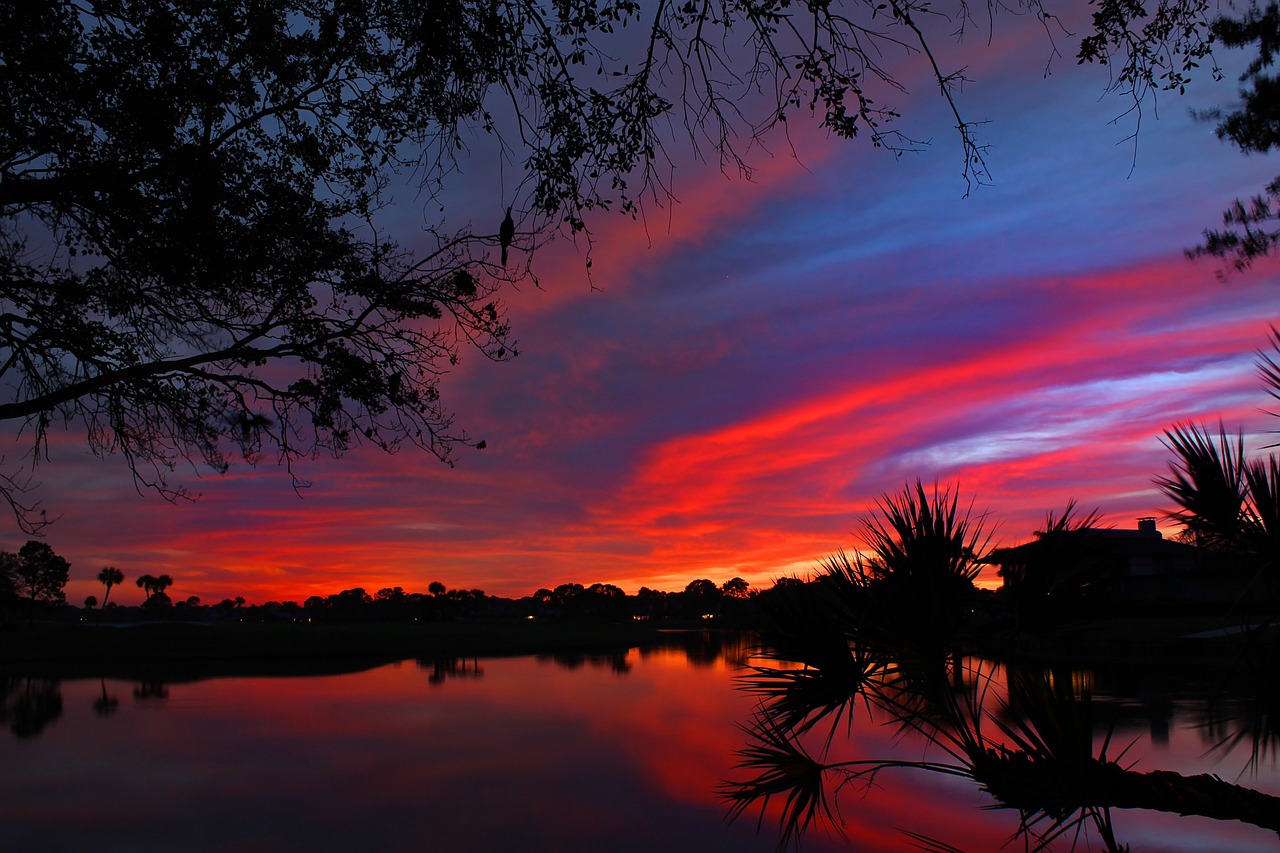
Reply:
x=529, y=617
x=707, y=616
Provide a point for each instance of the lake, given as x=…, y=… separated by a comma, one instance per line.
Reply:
x=612, y=752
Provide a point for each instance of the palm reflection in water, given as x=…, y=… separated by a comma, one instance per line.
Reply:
x=877, y=641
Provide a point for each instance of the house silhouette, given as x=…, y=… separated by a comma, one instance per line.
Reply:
x=1119, y=566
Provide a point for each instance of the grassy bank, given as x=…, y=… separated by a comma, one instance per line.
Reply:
x=199, y=650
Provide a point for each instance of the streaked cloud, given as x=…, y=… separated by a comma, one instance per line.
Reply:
x=763, y=359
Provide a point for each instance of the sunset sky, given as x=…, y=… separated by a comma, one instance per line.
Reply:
x=761, y=360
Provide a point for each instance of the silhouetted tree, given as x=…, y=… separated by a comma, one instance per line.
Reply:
x=90, y=602
x=202, y=222
x=348, y=604
x=391, y=603
x=39, y=575
x=914, y=588
x=736, y=588
x=104, y=705
x=1225, y=501
x=702, y=588
x=29, y=704
x=566, y=598
x=1207, y=484
x=603, y=599
x=109, y=577
x=147, y=583
x=1251, y=228
x=153, y=690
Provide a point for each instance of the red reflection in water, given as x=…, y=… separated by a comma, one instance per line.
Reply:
x=508, y=754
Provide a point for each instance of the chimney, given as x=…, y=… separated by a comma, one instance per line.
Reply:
x=1147, y=527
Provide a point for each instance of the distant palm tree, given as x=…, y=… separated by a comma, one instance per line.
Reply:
x=105, y=704
x=147, y=583
x=109, y=577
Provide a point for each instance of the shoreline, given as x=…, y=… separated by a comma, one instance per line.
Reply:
x=185, y=650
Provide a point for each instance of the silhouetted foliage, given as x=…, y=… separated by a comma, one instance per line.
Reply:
x=153, y=588
x=38, y=574
x=1207, y=483
x=1268, y=363
x=444, y=669
x=109, y=576
x=1226, y=502
x=28, y=705
x=1031, y=749
x=1251, y=228
x=151, y=691
x=915, y=586
x=104, y=705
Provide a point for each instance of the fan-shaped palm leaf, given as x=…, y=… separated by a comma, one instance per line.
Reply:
x=1207, y=482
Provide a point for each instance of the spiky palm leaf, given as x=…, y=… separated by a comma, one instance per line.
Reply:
x=1207, y=482
x=1262, y=526
x=924, y=537
x=783, y=769
x=1269, y=365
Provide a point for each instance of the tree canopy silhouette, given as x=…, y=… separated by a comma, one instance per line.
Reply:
x=1251, y=229
x=36, y=573
x=109, y=576
x=195, y=257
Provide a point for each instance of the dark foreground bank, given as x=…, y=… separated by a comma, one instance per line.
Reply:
x=197, y=650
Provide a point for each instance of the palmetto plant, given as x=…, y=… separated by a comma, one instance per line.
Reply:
x=915, y=582
x=1225, y=501
x=881, y=631
x=1208, y=483
x=1032, y=751
x=816, y=668
x=1262, y=522
x=924, y=539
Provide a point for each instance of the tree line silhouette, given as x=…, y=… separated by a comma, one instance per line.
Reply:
x=32, y=584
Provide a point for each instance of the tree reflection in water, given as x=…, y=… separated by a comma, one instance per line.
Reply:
x=878, y=641
x=27, y=705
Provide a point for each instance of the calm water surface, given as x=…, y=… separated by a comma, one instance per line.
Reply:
x=610, y=753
